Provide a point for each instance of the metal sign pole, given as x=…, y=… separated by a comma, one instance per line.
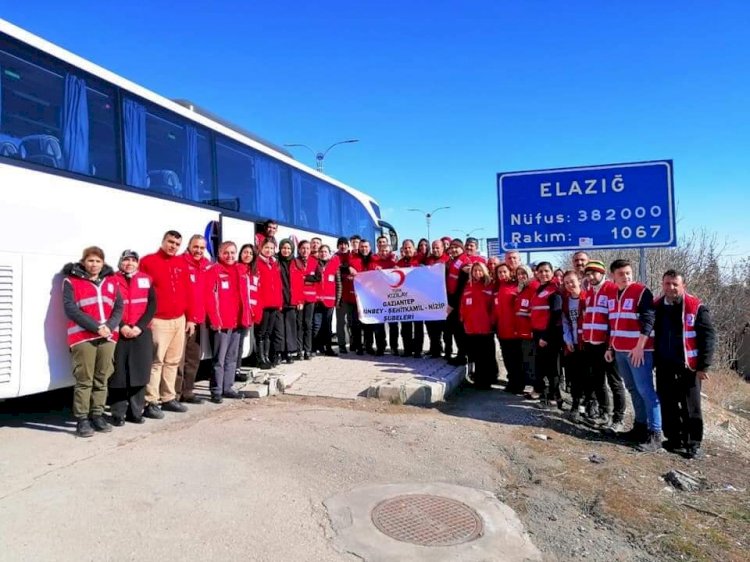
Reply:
x=642, y=266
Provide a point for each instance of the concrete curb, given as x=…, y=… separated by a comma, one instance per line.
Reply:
x=419, y=392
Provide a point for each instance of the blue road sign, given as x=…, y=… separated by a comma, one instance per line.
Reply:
x=611, y=206
x=493, y=247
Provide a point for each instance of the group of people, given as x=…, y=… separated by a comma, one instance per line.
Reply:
x=135, y=339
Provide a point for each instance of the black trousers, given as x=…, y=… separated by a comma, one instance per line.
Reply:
x=289, y=329
x=454, y=329
x=128, y=401
x=322, y=323
x=270, y=329
x=679, y=391
x=369, y=334
x=412, y=336
x=513, y=359
x=480, y=350
x=305, y=327
x=576, y=374
x=436, y=332
x=547, y=375
x=600, y=374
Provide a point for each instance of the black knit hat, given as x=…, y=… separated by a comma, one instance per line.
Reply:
x=342, y=240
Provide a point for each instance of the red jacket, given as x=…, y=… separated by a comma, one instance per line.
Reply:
x=222, y=297
x=540, y=309
x=504, y=312
x=327, y=286
x=596, y=314
x=432, y=260
x=414, y=261
x=197, y=270
x=476, y=308
x=269, y=283
x=134, y=293
x=171, y=279
x=348, y=260
x=624, y=323
x=690, y=306
x=378, y=262
x=452, y=272
x=95, y=300
x=252, y=313
x=522, y=307
x=308, y=289
x=476, y=258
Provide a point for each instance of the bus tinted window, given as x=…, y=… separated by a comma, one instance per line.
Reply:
x=54, y=116
x=166, y=154
x=234, y=165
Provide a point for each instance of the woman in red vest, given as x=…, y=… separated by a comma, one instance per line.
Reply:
x=522, y=307
x=546, y=309
x=93, y=306
x=305, y=268
x=134, y=351
x=475, y=311
x=224, y=311
x=291, y=291
x=271, y=300
x=328, y=292
x=504, y=319
x=251, y=312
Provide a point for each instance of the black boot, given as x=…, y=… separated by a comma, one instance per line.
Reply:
x=265, y=362
x=653, y=442
x=275, y=359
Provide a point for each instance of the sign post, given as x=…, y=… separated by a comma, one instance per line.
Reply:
x=611, y=206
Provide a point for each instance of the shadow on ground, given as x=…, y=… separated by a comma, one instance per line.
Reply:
x=49, y=411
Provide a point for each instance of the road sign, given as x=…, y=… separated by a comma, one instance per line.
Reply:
x=610, y=206
x=493, y=247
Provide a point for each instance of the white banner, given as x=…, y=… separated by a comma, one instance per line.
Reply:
x=401, y=295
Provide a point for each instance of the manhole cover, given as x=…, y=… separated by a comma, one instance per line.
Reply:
x=427, y=520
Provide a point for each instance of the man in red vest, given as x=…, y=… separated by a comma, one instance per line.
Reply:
x=631, y=345
x=595, y=344
x=684, y=341
x=174, y=304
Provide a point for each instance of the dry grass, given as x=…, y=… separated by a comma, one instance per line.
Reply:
x=729, y=390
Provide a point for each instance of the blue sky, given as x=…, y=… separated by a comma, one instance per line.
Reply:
x=445, y=94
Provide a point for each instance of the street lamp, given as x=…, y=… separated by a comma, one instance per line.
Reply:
x=319, y=156
x=468, y=234
x=428, y=217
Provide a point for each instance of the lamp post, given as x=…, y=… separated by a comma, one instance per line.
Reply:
x=319, y=156
x=428, y=218
x=468, y=234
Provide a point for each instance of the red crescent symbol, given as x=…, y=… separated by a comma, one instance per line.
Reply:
x=401, y=278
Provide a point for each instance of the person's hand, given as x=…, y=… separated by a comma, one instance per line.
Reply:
x=449, y=309
x=570, y=347
x=352, y=271
x=636, y=356
x=702, y=375
x=609, y=356
x=126, y=331
x=300, y=306
x=542, y=343
x=190, y=328
x=135, y=332
x=104, y=331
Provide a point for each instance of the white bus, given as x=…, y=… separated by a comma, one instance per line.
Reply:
x=89, y=158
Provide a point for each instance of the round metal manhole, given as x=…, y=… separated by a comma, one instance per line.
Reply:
x=427, y=520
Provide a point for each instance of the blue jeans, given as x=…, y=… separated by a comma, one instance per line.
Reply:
x=640, y=383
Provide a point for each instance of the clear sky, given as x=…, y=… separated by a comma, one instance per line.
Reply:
x=445, y=94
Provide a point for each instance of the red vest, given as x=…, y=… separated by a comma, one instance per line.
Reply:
x=596, y=315
x=523, y=313
x=354, y=261
x=97, y=301
x=624, y=326
x=327, y=287
x=251, y=314
x=222, y=297
x=453, y=270
x=309, y=289
x=690, y=306
x=476, y=308
x=504, y=313
x=579, y=321
x=378, y=262
x=269, y=283
x=134, y=293
x=476, y=258
x=540, y=307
